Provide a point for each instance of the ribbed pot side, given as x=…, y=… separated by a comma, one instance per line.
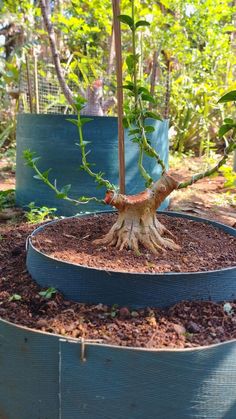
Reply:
x=54, y=139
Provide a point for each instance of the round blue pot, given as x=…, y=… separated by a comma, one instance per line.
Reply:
x=45, y=376
x=54, y=139
x=90, y=285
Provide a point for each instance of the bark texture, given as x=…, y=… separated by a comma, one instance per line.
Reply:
x=137, y=222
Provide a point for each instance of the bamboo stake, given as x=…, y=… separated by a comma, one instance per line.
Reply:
x=121, y=146
x=111, y=53
x=36, y=86
x=29, y=84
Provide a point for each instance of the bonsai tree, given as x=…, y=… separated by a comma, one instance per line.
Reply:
x=137, y=223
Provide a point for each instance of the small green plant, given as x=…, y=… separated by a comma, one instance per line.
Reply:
x=15, y=297
x=48, y=293
x=230, y=177
x=39, y=214
x=7, y=199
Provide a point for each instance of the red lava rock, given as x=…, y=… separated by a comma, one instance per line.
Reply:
x=42, y=323
x=179, y=329
x=124, y=313
x=193, y=327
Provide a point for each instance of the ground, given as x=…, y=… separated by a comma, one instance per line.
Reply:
x=207, y=198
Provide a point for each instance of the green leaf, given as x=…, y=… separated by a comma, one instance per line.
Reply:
x=127, y=20
x=228, y=97
x=73, y=121
x=35, y=159
x=46, y=173
x=129, y=86
x=80, y=103
x=149, y=128
x=148, y=98
x=15, y=297
x=63, y=192
x=60, y=195
x=228, y=121
x=141, y=23
x=225, y=128
x=85, y=120
x=143, y=90
x=48, y=293
x=134, y=131
x=130, y=63
x=65, y=189
x=153, y=115
x=125, y=122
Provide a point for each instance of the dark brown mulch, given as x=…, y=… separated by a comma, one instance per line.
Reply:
x=203, y=247
x=187, y=324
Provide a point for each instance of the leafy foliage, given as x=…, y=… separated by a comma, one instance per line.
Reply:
x=39, y=214
x=15, y=297
x=7, y=199
x=48, y=293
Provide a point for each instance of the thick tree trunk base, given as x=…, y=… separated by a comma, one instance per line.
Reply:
x=132, y=229
x=137, y=222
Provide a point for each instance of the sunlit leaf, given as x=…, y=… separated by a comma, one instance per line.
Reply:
x=228, y=97
x=127, y=20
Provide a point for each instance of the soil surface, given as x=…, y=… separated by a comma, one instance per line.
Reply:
x=185, y=325
x=203, y=247
x=208, y=198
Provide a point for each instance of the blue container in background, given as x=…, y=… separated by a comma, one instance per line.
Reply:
x=54, y=139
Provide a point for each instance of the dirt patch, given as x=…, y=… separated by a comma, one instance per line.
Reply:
x=203, y=247
x=208, y=198
x=185, y=325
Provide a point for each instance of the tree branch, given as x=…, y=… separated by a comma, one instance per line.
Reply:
x=231, y=146
x=55, y=54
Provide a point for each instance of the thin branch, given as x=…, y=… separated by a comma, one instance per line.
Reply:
x=55, y=54
x=85, y=165
x=231, y=146
x=31, y=162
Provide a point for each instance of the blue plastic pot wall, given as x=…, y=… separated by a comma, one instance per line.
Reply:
x=45, y=376
x=54, y=139
x=88, y=285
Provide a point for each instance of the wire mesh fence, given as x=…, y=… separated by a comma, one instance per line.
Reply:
x=41, y=93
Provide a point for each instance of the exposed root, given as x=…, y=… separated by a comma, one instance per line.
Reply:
x=137, y=222
x=128, y=232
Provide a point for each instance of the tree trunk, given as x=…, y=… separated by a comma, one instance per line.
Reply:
x=137, y=221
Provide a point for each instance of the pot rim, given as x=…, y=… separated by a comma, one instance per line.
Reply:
x=93, y=342
x=65, y=116
x=151, y=274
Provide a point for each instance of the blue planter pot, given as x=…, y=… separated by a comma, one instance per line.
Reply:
x=89, y=285
x=53, y=138
x=46, y=376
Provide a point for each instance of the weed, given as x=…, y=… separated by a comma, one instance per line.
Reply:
x=230, y=176
x=7, y=199
x=15, y=297
x=39, y=214
x=48, y=293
